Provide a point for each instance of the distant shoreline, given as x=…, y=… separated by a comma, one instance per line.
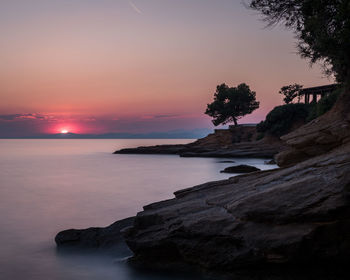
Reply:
x=176, y=134
x=91, y=138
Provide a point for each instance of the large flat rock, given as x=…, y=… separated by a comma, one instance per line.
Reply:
x=298, y=214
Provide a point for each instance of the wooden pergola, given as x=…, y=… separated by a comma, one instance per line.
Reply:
x=316, y=92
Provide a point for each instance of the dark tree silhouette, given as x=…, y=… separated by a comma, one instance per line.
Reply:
x=230, y=104
x=322, y=28
x=291, y=92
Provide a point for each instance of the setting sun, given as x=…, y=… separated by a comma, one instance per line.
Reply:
x=64, y=131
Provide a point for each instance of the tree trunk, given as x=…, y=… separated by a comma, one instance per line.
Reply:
x=235, y=121
x=343, y=103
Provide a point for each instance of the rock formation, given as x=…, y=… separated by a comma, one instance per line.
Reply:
x=319, y=136
x=234, y=142
x=240, y=169
x=294, y=215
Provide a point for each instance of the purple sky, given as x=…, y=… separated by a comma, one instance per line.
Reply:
x=98, y=66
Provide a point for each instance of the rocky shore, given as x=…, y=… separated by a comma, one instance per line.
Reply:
x=298, y=214
x=237, y=141
x=294, y=216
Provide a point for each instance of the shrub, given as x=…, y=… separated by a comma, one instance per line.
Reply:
x=260, y=136
x=280, y=120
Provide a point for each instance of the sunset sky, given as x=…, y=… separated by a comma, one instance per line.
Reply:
x=100, y=66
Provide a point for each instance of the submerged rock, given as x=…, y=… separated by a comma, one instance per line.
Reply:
x=295, y=215
x=240, y=169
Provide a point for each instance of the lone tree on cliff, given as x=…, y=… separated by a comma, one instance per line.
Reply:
x=230, y=104
x=291, y=92
x=321, y=26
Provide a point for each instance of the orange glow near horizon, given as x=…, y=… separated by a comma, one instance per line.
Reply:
x=63, y=128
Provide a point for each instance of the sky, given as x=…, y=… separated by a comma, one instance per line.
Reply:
x=137, y=66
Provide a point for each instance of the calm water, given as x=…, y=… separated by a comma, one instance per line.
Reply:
x=50, y=185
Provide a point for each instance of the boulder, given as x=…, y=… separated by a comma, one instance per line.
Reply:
x=240, y=169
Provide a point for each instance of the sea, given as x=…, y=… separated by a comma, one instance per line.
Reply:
x=50, y=185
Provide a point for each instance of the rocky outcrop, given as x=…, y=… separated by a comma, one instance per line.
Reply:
x=94, y=237
x=158, y=149
x=319, y=136
x=234, y=142
x=240, y=169
x=294, y=215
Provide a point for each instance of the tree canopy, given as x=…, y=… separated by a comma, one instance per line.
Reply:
x=322, y=28
x=291, y=92
x=231, y=103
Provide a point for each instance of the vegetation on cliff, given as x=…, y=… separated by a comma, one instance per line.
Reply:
x=283, y=119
